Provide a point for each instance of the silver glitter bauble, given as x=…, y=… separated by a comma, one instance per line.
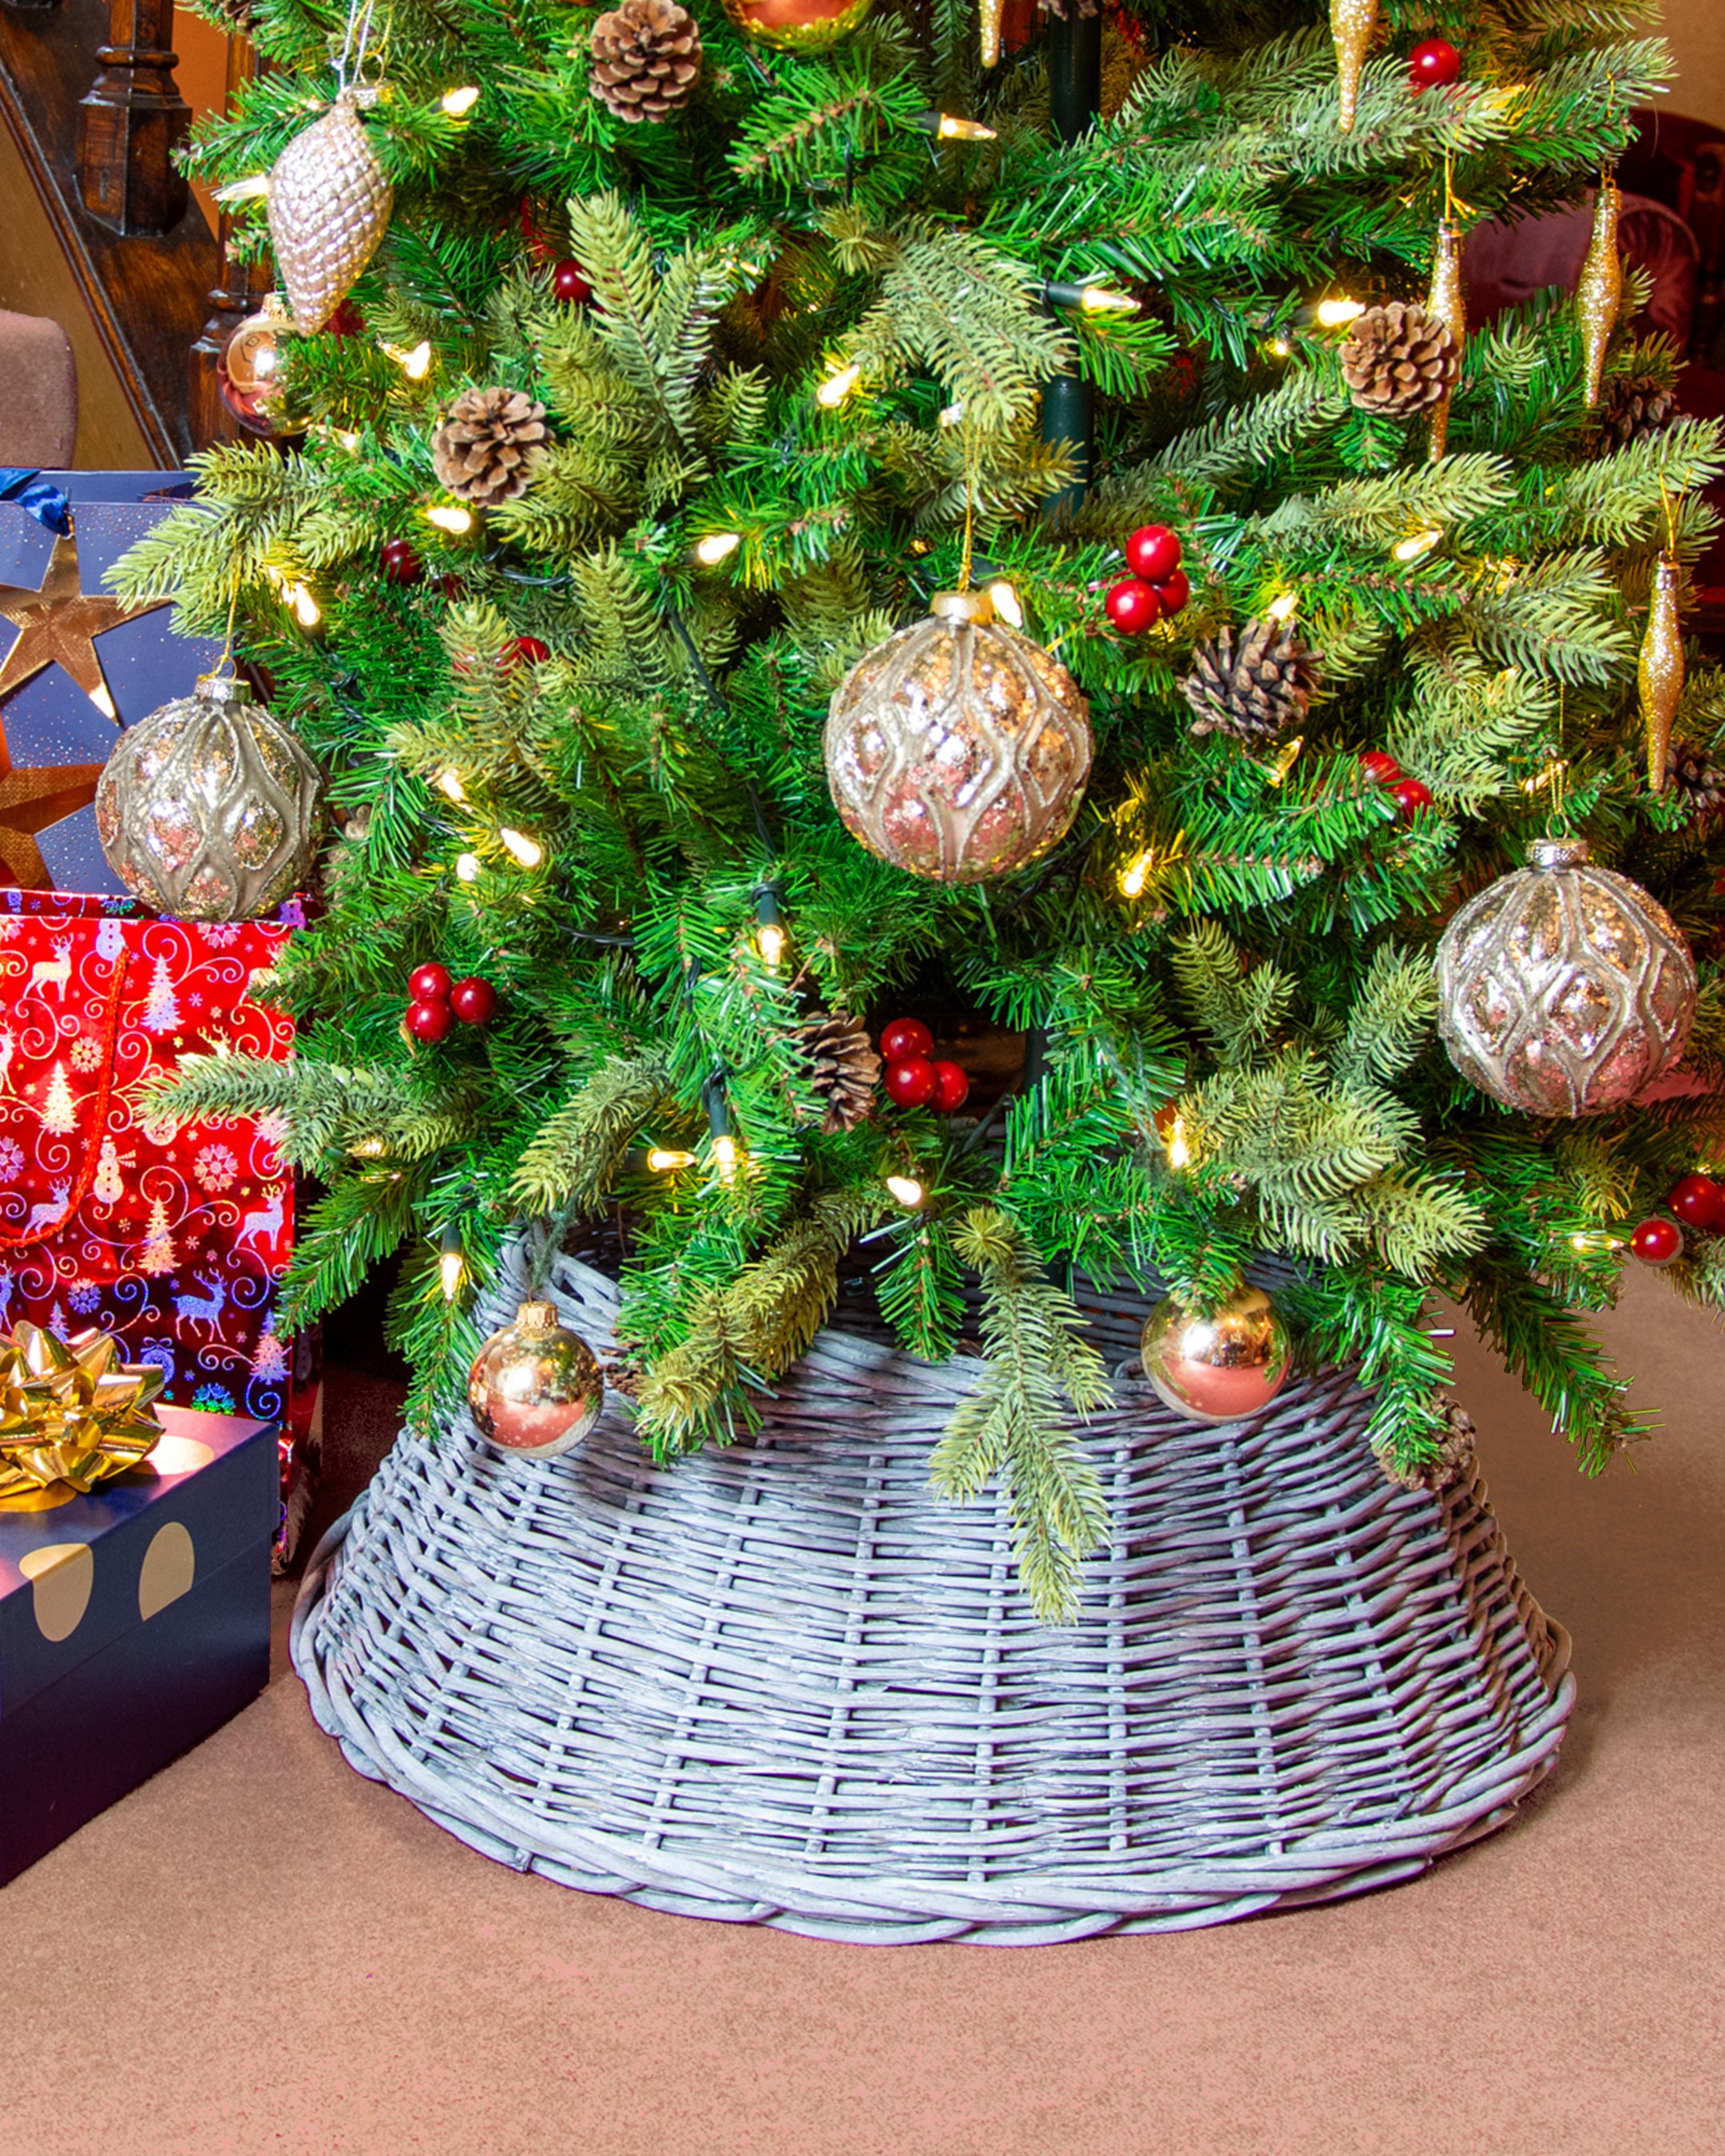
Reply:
x=209, y=808
x=1564, y=988
x=959, y=749
x=329, y=208
x=1220, y=1369
x=535, y=1387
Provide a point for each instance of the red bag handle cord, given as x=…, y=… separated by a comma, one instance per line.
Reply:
x=86, y=1175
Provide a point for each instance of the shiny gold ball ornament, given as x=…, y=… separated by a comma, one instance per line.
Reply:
x=535, y=1387
x=1563, y=988
x=1220, y=1369
x=329, y=208
x=797, y=26
x=958, y=750
x=210, y=808
x=248, y=368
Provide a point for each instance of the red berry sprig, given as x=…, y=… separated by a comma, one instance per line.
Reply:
x=1157, y=586
x=569, y=286
x=915, y=1077
x=1434, y=63
x=1411, y=796
x=1698, y=1201
x=1381, y=767
x=436, y=1001
x=399, y=560
x=1658, y=1242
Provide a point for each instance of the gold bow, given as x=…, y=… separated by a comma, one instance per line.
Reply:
x=69, y=1412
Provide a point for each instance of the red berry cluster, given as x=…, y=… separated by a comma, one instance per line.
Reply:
x=1698, y=1202
x=437, y=1001
x=569, y=285
x=914, y=1078
x=1157, y=585
x=1410, y=795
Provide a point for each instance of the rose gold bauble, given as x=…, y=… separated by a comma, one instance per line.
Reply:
x=1220, y=1369
x=959, y=749
x=797, y=26
x=535, y=1387
x=247, y=369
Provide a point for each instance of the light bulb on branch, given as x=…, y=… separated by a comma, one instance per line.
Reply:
x=451, y=1261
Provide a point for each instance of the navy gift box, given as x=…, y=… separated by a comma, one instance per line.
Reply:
x=133, y=1622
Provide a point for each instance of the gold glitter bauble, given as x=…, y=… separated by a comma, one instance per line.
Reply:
x=329, y=208
x=1659, y=675
x=797, y=26
x=1563, y=988
x=535, y=1387
x=1220, y=1369
x=959, y=749
x=209, y=809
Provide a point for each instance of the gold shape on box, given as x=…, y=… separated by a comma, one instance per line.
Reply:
x=71, y=1412
x=1598, y=292
x=1659, y=674
x=61, y=1575
x=169, y=1568
x=209, y=809
x=1564, y=988
x=1218, y=1369
x=329, y=209
x=1353, y=24
x=958, y=750
x=799, y=26
x=535, y=1387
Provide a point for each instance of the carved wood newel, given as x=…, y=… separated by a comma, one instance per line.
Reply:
x=130, y=123
x=240, y=292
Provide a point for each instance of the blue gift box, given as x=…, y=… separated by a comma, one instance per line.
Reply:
x=133, y=1622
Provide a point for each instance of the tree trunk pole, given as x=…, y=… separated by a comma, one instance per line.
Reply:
x=1075, y=97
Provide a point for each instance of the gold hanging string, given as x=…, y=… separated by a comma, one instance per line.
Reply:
x=1670, y=515
x=970, y=475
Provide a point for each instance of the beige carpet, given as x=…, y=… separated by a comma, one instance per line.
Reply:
x=259, y=1951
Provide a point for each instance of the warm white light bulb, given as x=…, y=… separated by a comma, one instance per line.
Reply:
x=306, y=607
x=527, y=851
x=771, y=938
x=458, y=103
x=1136, y=874
x=1417, y=544
x=837, y=386
x=717, y=546
x=1179, y=1153
x=665, y=1160
x=905, y=1188
x=956, y=130
x=1337, y=314
x=449, y=782
x=1004, y=601
x=725, y=1157
x=1281, y=608
x=467, y=867
x=1278, y=347
x=449, y=516
x=449, y=1267
x=417, y=363
x=1102, y=300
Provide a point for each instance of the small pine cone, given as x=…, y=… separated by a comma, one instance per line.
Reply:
x=1635, y=408
x=1454, y=1458
x=1690, y=771
x=646, y=56
x=489, y=444
x=1398, y=360
x=845, y=1068
x=1253, y=691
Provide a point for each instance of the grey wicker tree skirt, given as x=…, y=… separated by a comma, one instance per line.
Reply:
x=782, y=1683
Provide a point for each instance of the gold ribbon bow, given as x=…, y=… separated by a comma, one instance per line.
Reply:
x=69, y=1411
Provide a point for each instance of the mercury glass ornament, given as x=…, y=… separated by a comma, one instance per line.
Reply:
x=1220, y=1369
x=209, y=809
x=1563, y=988
x=535, y=1387
x=329, y=208
x=797, y=26
x=959, y=749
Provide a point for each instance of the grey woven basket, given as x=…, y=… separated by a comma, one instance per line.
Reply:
x=782, y=1683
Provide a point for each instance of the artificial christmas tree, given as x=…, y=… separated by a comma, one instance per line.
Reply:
x=884, y=360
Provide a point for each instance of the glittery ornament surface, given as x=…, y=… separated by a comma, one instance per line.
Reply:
x=959, y=749
x=1446, y=304
x=1564, y=988
x=990, y=14
x=1598, y=293
x=329, y=208
x=209, y=807
x=1659, y=675
x=1352, y=25
x=797, y=26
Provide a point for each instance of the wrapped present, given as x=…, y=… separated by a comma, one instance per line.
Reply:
x=134, y=1620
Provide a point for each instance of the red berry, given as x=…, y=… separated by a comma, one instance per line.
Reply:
x=1434, y=63
x=1133, y=607
x=346, y=321
x=473, y=1000
x=449, y=586
x=429, y=983
x=904, y=1038
x=1658, y=1242
x=1172, y=592
x=951, y=1088
x=1411, y=796
x=429, y=1019
x=527, y=648
x=1380, y=766
x=399, y=560
x=1153, y=553
x=1698, y=1201
x=910, y=1084
x=569, y=285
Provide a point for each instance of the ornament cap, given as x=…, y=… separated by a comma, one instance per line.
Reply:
x=535, y=1320
x=1564, y=853
x=222, y=689
x=976, y=607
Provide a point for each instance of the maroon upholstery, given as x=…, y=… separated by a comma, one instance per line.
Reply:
x=39, y=392
x=1505, y=262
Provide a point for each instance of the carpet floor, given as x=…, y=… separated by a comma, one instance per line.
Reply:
x=259, y=1951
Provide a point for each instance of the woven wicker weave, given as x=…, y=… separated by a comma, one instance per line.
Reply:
x=782, y=1683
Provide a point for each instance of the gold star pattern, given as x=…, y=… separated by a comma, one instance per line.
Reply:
x=59, y=624
x=29, y=802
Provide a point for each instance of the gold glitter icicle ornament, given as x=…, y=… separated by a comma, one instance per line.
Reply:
x=1563, y=988
x=1353, y=24
x=1220, y=1369
x=535, y=1387
x=1660, y=673
x=329, y=208
x=990, y=15
x=1598, y=293
x=959, y=749
x=1446, y=304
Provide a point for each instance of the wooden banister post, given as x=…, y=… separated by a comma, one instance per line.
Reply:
x=239, y=291
x=130, y=123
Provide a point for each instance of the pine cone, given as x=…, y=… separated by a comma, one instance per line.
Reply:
x=1635, y=407
x=646, y=56
x=489, y=444
x=1398, y=360
x=1690, y=771
x=1454, y=1455
x=1257, y=691
x=845, y=1068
